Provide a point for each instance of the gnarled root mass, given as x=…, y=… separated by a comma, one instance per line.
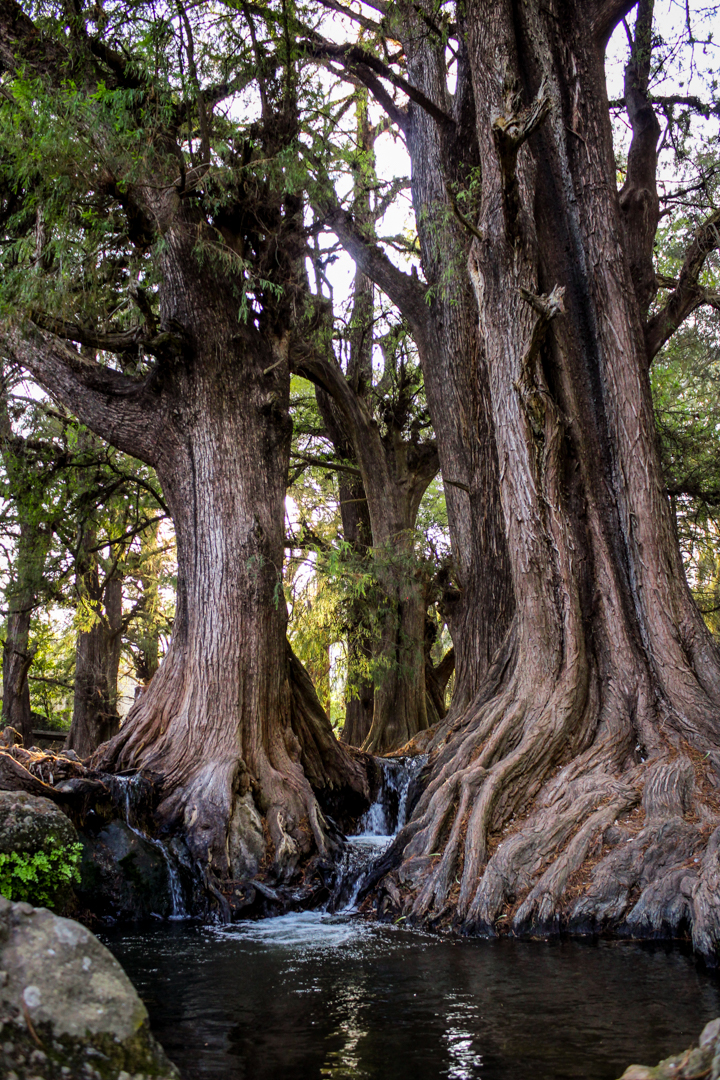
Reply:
x=253, y=803
x=548, y=810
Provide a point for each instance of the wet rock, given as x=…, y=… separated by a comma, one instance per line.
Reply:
x=30, y=823
x=246, y=842
x=699, y=1061
x=123, y=875
x=67, y=1008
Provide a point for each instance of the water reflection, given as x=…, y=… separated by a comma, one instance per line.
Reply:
x=461, y=1021
x=317, y=997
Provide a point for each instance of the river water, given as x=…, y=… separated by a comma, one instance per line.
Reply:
x=313, y=996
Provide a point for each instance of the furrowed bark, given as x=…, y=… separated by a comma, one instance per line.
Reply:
x=18, y=653
x=97, y=654
x=580, y=789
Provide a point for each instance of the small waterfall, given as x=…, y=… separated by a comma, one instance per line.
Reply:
x=387, y=815
x=129, y=793
x=379, y=825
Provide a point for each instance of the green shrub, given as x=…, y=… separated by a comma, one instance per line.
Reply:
x=43, y=879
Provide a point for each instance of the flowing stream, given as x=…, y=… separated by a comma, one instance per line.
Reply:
x=320, y=996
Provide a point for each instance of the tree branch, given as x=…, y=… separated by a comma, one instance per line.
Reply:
x=165, y=344
x=703, y=108
x=606, y=15
x=687, y=295
x=119, y=409
x=639, y=201
x=362, y=63
x=22, y=45
x=334, y=466
x=361, y=20
x=404, y=290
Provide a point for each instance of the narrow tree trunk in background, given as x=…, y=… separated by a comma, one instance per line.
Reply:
x=395, y=475
x=112, y=638
x=18, y=653
x=97, y=653
x=147, y=655
x=357, y=532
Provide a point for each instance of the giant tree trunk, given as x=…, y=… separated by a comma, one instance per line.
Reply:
x=580, y=788
x=453, y=362
x=216, y=721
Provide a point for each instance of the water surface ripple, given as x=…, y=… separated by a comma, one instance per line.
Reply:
x=311, y=996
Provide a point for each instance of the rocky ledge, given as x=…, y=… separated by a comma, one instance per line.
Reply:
x=67, y=1009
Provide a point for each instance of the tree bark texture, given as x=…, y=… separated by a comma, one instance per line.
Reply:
x=580, y=789
x=454, y=365
x=216, y=717
x=216, y=721
x=97, y=655
x=18, y=653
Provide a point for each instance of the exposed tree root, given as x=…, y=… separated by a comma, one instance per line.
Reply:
x=277, y=775
x=509, y=842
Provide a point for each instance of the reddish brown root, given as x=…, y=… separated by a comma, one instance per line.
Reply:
x=538, y=821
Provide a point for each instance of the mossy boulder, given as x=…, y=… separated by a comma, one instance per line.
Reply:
x=38, y=851
x=702, y=1060
x=67, y=1008
x=29, y=823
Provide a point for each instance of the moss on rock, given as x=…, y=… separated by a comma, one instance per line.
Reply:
x=67, y=1008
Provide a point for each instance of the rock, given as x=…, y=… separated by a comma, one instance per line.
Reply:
x=246, y=842
x=123, y=875
x=30, y=823
x=67, y=1008
x=700, y=1061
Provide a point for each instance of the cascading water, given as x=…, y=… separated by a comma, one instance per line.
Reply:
x=128, y=794
x=378, y=827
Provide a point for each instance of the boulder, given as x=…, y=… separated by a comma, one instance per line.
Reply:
x=123, y=875
x=702, y=1060
x=67, y=1009
x=30, y=823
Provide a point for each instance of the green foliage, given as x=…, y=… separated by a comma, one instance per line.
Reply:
x=686, y=392
x=42, y=879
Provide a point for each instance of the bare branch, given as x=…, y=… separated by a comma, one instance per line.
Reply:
x=361, y=20
x=362, y=63
x=404, y=290
x=703, y=108
x=639, y=201
x=688, y=294
x=332, y=465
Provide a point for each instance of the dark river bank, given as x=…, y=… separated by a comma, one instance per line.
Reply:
x=312, y=996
